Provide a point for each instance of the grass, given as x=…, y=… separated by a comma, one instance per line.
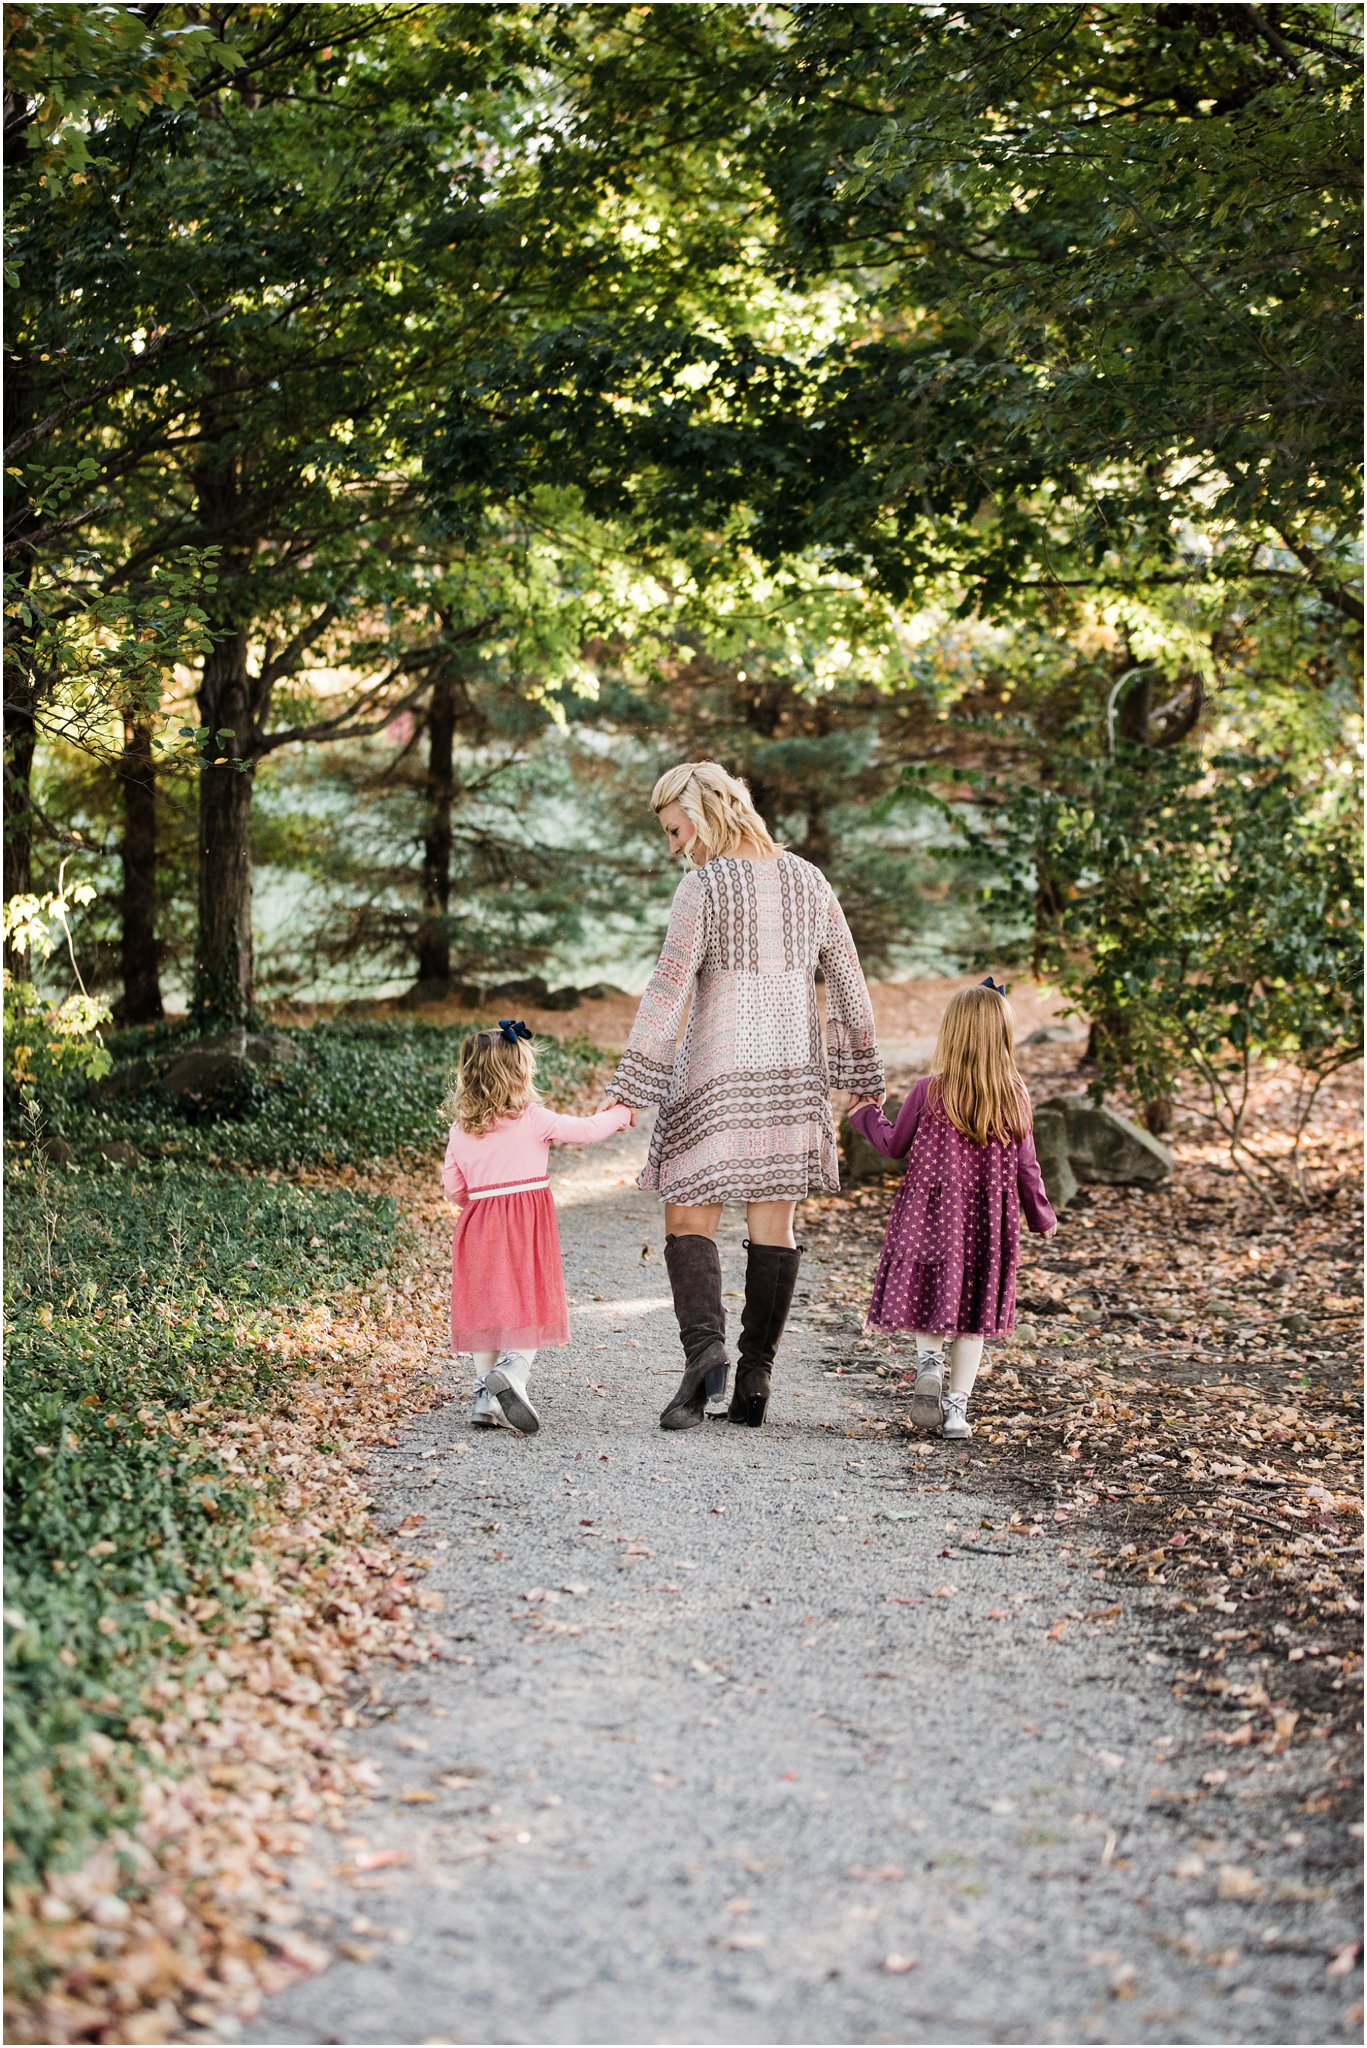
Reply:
x=354, y=1094
x=140, y=1303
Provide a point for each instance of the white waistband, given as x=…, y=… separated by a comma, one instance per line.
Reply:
x=516, y=1187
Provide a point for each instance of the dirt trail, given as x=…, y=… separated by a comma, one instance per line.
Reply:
x=746, y=1736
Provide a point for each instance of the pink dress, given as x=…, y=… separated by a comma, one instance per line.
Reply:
x=953, y=1238
x=507, y=1284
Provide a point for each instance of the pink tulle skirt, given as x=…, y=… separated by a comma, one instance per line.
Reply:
x=507, y=1284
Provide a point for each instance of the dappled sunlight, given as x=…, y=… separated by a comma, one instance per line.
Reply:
x=648, y=1305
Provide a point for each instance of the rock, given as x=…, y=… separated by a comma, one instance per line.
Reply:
x=204, y=1058
x=118, y=1152
x=532, y=989
x=1101, y=1144
x=1051, y=1149
x=134, y=1079
x=207, y=1076
x=600, y=992
x=861, y=1161
x=561, y=999
x=55, y=1149
x=1049, y=1034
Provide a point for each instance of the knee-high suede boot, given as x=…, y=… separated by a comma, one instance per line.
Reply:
x=694, y=1267
x=770, y=1277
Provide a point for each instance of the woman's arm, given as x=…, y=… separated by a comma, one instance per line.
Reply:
x=1035, y=1202
x=645, y=1067
x=851, y=1039
x=892, y=1140
x=584, y=1130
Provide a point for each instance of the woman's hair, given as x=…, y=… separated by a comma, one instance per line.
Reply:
x=493, y=1079
x=974, y=1072
x=716, y=805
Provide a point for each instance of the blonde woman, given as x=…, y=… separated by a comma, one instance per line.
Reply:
x=948, y=1269
x=745, y=1111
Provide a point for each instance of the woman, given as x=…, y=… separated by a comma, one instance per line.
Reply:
x=745, y=1112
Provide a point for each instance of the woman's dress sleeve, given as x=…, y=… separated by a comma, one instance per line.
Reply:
x=644, y=1071
x=851, y=1040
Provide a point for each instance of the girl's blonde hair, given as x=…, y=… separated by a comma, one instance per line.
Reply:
x=718, y=806
x=974, y=1073
x=493, y=1079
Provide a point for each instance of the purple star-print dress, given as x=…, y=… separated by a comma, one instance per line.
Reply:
x=953, y=1238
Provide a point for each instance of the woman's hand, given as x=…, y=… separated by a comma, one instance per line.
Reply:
x=616, y=1102
x=864, y=1102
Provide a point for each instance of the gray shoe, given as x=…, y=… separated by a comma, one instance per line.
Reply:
x=956, y=1425
x=513, y=1401
x=927, y=1396
x=485, y=1412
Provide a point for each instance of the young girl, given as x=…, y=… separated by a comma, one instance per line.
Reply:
x=948, y=1269
x=507, y=1286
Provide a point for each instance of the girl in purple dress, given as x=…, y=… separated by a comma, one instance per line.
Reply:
x=948, y=1268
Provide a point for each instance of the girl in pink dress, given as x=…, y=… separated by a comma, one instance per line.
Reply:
x=948, y=1269
x=507, y=1285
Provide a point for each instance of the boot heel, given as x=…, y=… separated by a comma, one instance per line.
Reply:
x=756, y=1408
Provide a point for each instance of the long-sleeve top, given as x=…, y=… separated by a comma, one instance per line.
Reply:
x=514, y=1154
x=894, y=1141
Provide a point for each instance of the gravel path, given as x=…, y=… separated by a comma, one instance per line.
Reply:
x=747, y=1736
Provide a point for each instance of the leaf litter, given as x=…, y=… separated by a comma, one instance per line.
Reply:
x=244, y=1737
x=1180, y=1405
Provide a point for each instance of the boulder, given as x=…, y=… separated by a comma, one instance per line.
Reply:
x=225, y=1074
x=1100, y=1143
x=207, y=1077
x=118, y=1152
x=532, y=989
x=55, y=1149
x=1051, y=1149
x=1050, y=1034
x=860, y=1160
x=134, y=1079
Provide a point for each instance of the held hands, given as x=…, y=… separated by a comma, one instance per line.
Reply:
x=616, y=1102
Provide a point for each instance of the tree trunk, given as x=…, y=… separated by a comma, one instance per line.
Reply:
x=223, y=990
x=142, y=1002
x=22, y=682
x=434, y=936
x=21, y=741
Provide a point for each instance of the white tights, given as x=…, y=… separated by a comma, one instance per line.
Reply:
x=963, y=1355
x=517, y=1365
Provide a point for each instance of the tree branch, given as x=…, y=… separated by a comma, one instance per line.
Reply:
x=40, y=431
x=1333, y=593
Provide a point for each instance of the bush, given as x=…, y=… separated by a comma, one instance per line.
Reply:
x=1202, y=911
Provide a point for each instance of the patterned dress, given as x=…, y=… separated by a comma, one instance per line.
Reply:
x=952, y=1245
x=745, y=1111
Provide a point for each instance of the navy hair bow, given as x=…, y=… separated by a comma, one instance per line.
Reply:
x=997, y=987
x=513, y=1028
